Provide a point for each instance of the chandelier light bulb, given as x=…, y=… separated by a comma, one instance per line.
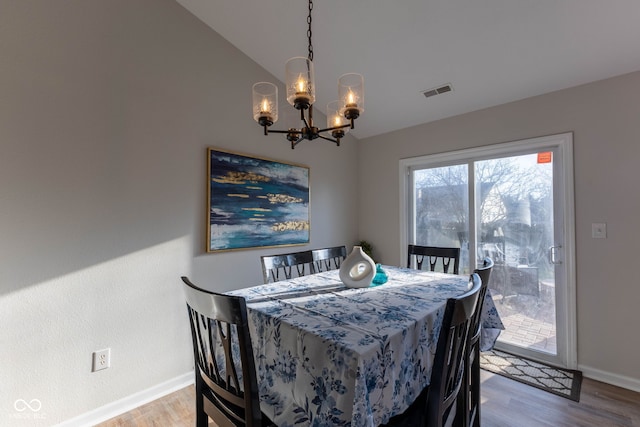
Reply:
x=351, y=101
x=302, y=90
x=265, y=109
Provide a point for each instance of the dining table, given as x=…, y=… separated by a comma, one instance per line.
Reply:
x=329, y=355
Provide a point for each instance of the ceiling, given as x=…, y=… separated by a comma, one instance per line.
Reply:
x=490, y=51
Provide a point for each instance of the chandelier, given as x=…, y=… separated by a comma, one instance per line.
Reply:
x=300, y=85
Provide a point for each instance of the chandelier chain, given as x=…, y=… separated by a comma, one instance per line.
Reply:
x=309, y=30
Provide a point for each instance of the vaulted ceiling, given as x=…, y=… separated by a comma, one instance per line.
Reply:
x=490, y=51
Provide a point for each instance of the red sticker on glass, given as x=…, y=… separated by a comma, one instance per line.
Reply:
x=544, y=157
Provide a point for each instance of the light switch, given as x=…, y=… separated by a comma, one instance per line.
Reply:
x=599, y=230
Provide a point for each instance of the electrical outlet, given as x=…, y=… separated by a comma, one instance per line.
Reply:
x=101, y=359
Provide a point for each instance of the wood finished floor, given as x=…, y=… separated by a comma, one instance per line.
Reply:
x=505, y=403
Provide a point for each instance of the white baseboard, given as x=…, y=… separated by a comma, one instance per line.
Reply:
x=128, y=403
x=609, y=378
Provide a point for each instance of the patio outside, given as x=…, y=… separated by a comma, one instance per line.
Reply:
x=529, y=320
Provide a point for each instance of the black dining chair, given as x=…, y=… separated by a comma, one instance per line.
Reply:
x=471, y=379
x=433, y=255
x=228, y=392
x=329, y=258
x=286, y=266
x=439, y=404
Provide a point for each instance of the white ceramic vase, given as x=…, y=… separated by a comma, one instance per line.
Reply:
x=358, y=269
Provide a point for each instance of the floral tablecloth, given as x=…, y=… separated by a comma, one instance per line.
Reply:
x=328, y=355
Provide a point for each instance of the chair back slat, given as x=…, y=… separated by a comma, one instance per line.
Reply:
x=284, y=266
x=329, y=258
x=224, y=397
x=433, y=254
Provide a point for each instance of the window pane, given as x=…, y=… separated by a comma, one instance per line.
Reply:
x=441, y=201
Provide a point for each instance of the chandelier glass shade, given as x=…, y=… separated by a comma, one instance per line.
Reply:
x=265, y=103
x=301, y=94
x=300, y=82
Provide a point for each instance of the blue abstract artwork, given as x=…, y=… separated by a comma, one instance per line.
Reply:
x=255, y=202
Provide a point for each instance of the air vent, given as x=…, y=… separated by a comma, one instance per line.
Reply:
x=437, y=90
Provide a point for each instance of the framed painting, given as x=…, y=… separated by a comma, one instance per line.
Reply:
x=255, y=202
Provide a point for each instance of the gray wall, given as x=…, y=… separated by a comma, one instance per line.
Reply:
x=106, y=110
x=605, y=119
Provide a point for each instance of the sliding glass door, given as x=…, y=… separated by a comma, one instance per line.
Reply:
x=510, y=202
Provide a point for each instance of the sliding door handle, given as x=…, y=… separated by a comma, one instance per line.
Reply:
x=553, y=254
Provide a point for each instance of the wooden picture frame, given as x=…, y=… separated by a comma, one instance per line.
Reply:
x=254, y=202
